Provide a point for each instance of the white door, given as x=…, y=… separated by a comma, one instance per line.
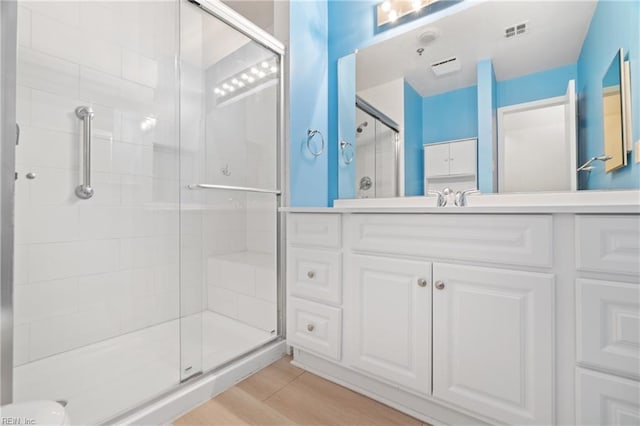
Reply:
x=492, y=342
x=436, y=160
x=537, y=145
x=387, y=320
x=462, y=157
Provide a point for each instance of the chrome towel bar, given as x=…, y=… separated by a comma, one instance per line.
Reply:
x=232, y=188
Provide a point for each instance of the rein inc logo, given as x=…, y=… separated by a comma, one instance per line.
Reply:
x=17, y=421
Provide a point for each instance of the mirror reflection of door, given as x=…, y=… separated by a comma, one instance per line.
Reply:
x=536, y=145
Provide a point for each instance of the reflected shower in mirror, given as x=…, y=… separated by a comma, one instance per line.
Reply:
x=510, y=80
x=377, y=152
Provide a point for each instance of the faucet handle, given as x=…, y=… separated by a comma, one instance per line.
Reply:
x=442, y=197
x=461, y=196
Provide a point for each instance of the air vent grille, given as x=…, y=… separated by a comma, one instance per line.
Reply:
x=516, y=30
x=446, y=66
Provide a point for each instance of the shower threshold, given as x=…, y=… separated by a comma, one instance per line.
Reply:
x=104, y=379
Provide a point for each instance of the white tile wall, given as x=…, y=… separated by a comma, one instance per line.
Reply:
x=89, y=270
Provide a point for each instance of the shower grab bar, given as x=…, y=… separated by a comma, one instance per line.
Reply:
x=233, y=188
x=84, y=190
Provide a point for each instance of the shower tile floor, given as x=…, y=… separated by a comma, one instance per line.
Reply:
x=106, y=378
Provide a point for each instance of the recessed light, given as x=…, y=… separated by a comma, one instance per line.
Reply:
x=386, y=6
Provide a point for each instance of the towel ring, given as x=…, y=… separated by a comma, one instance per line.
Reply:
x=310, y=134
x=345, y=148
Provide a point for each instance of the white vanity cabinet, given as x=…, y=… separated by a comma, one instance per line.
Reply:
x=387, y=327
x=314, y=283
x=473, y=318
x=608, y=319
x=492, y=345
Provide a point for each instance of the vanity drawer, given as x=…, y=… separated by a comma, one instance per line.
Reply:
x=500, y=239
x=608, y=321
x=608, y=244
x=314, y=327
x=315, y=274
x=314, y=229
x=603, y=399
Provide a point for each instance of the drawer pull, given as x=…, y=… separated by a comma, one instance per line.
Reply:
x=310, y=327
x=422, y=282
x=439, y=285
x=311, y=274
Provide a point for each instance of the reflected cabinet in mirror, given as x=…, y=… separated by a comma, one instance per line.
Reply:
x=493, y=96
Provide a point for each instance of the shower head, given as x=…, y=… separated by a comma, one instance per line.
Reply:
x=361, y=127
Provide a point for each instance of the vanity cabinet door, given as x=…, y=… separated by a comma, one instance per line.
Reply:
x=436, y=160
x=492, y=342
x=462, y=157
x=387, y=320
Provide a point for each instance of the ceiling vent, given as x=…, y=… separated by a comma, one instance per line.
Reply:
x=446, y=66
x=516, y=30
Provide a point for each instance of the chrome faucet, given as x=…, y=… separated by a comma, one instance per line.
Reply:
x=461, y=196
x=443, y=197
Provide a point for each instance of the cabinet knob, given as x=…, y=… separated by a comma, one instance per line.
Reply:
x=439, y=285
x=422, y=282
x=310, y=327
x=311, y=274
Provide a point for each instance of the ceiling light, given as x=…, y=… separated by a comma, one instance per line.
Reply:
x=231, y=89
x=265, y=65
x=235, y=81
x=240, y=84
x=251, y=79
x=216, y=91
x=261, y=74
x=222, y=93
x=244, y=76
x=391, y=10
x=254, y=70
x=274, y=69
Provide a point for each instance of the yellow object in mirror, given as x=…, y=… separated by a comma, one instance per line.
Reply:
x=613, y=114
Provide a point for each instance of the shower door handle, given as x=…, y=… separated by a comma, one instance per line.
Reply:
x=84, y=190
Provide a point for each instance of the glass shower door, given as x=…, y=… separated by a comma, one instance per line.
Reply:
x=377, y=157
x=97, y=191
x=229, y=132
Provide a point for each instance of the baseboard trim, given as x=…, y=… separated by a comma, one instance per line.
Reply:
x=406, y=402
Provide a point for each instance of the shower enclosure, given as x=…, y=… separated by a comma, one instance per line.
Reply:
x=377, y=153
x=148, y=177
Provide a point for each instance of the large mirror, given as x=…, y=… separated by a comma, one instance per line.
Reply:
x=498, y=97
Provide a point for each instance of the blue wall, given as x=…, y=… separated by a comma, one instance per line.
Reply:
x=486, y=127
x=536, y=86
x=451, y=115
x=614, y=25
x=413, y=131
x=309, y=177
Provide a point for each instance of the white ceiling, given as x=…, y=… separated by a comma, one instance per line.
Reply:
x=556, y=31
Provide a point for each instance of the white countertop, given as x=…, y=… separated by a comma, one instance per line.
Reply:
x=602, y=202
